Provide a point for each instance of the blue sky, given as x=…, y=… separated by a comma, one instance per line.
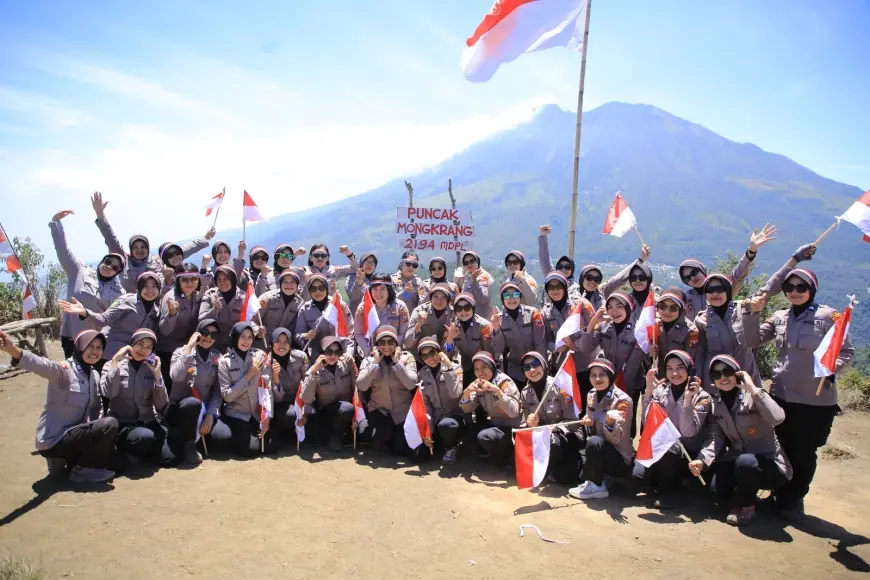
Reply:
x=160, y=104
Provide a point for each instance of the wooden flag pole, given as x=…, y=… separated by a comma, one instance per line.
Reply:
x=204, y=446
x=218, y=210
x=578, y=132
x=544, y=394
x=834, y=226
x=637, y=231
x=689, y=459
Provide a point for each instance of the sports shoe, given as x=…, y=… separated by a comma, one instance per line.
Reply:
x=334, y=444
x=191, y=455
x=589, y=490
x=741, y=516
x=791, y=513
x=81, y=474
x=449, y=456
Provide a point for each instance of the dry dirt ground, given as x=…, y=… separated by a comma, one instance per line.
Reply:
x=326, y=515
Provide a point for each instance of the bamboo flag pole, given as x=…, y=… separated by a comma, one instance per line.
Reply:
x=218, y=210
x=689, y=459
x=547, y=390
x=551, y=426
x=204, y=446
x=637, y=231
x=834, y=226
x=578, y=133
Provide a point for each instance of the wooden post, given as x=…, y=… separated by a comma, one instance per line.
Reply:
x=578, y=132
x=455, y=223
x=40, y=342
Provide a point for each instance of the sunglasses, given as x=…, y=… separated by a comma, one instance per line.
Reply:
x=689, y=274
x=593, y=278
x=320, y=255
x=800, y=288
x=112, y=265
x=725, y=373
x=637, y=278
x=411, y=264
x=719, y=289
x=429, y=353
x=259, y=258
x=469, y=262
x=531, y=365
x=463, y=308
x=209, y=334
x=317, y=288
x=667, y=307
x=513, y=262
x=284, y=256
x=436, y=268
x=387, y=342
x=565, y=267
x=515, y=295
x=189, y=279
x=333, y=352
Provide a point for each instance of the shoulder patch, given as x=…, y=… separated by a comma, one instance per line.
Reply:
x=538, y=318
x=588, y=307
x=502, y=385
x=590, y=398
x=621, y=405
x=703, y=405
x=693, y=337
x=485, y=331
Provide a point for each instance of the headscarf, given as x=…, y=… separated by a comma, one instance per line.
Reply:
x=467, y=297
x=685, y=358
x=214, y=248
x=325, y=343
x=443, y=262
x=485, y=357
x=726, y=281
x=517, y=254
x=255, y=272
x=538, y=386
x=202, y=325
x=628, y=302
x=120, y=257
x=390, y=331
x=675, y=296
x=81, y=342
x=140, y=285
x=320, y=304
x=605, y=364
x=234, y=282
x=138, y=238
x=813, y=283
x=285, y=358
x=692, y=263
x=288, y=273
x=236, y=334
x=444, y=288
x=563, y=281
x=583, y=271
x=165, y=248
x=430, y=342
x=640, y=297
x=506, y=286
x=279, y=269
x=569, y=261
x=728, y=397
x=142, y=334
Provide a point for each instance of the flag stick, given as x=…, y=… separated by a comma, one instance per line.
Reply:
x=821, y=384
x=297, y=444
x=547, y=390
x=218, y=210
x=834, y=226
x=263, y=443
x=578, y=132
x=689, y=459
x=552, y=426
x=642, y=243
x=355, y=429
x=260, y=318
x=204, y=446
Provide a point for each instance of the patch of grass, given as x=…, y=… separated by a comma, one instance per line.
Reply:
x=837, y=451
x=854, y=391
x=12, y=568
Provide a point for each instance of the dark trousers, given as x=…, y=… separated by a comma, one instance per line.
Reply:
x=245, y=440
x=181, y=419
x=666, y=475
x=635, y=397
x=165, y=359
x=68, y=346
x=284, y=419
x=147, y=441
x=497, y=442
x=88, y=444
x=805, y=429
x=602, y=458
x=220, y=437
x=388, y=434
x=585, y=387
x=450, y=430
x=332, y=420
x=565, y=459
x=741, y=479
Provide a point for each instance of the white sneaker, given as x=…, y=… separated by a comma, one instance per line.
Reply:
x=589, y=490
x=81, y=474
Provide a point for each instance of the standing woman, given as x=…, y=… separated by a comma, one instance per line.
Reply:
x=564, y=265
x=618, y=345
x=70, y=429
x=391, y=376
x=133, y=384
x=93, y=290
x=438, y=275
x=441, y=385
x=355, y=285
x=468, y=335
x=477, y=282
x=430, y=319
x=221, y=255
x=675, y=331
x=258, y=264
x=283, y=261
x=288, y=369
x=590, y=282
x=408, y=285
x=687, y=405
x=137, y=260
x=223, y=304
x=318, y=263
x=391, y=312
x=742, y=447
x=721, y=327
x=328, y=386
x=179, y=314
x=638, y=275
x=809, y=406
x=194, y=372
x=280, y=307
x=515, y=263
x=125, y=316
x=498, y=398
x=240, y=371
x=565, y=442
x=557, y=308
x=609, y=450
x=516, y=331
x=312, y=326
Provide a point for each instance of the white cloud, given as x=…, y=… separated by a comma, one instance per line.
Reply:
x=36, y=108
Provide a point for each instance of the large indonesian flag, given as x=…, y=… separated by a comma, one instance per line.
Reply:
x=264, y=397
x=572, y=325
x=645, y=330
x=250, y=305
x=825, y=357
x=532, y=455
x=334, y=313
x=28, y=304
x=6, y=252
x=417, y=422
x=659, y=435
x=250, y=211
x=515, y=27
x=859, y=214
x=566, y=381
x=370, y=318
x=620, y=218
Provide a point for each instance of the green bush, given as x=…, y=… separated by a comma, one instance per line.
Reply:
x=854, y=390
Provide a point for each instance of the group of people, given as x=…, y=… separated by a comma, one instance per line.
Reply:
x=159, y=357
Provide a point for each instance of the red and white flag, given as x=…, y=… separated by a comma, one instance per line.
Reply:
x=859, y=214
x=620, y=218
x=264, y=397
x=566, y=381
x=250, y=305
x=196, y=396
x=417, y=422
x=8, y=254
x=334, y=313
x=515, y=27
x=359, y=413
x=825, y=357
x=299, y=407
x=250, y=210
x=532, y=456
x=572, y=325
x=215, y=203
x=659, y=435
x=370, y=318
x=646, y=328
x=28, y=304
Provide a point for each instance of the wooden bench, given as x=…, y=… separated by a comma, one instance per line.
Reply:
x=21, y=328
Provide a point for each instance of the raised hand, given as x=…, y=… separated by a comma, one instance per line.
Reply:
x=62, y=214
x=210, y=233
x=73, y=307
x=192, y=341
x=299, y=252
x=757, y=303
x=172, y=307
x=98, y=204
x=242, y=247
x=154, y=368
x=545, y=230
x=645, y=252
x=422, y=316
x=696, y=467
x=360, y=276
x=804, y=253
x=344, y=251
x=206, y=260
x=495, y=319
x=758, y=239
